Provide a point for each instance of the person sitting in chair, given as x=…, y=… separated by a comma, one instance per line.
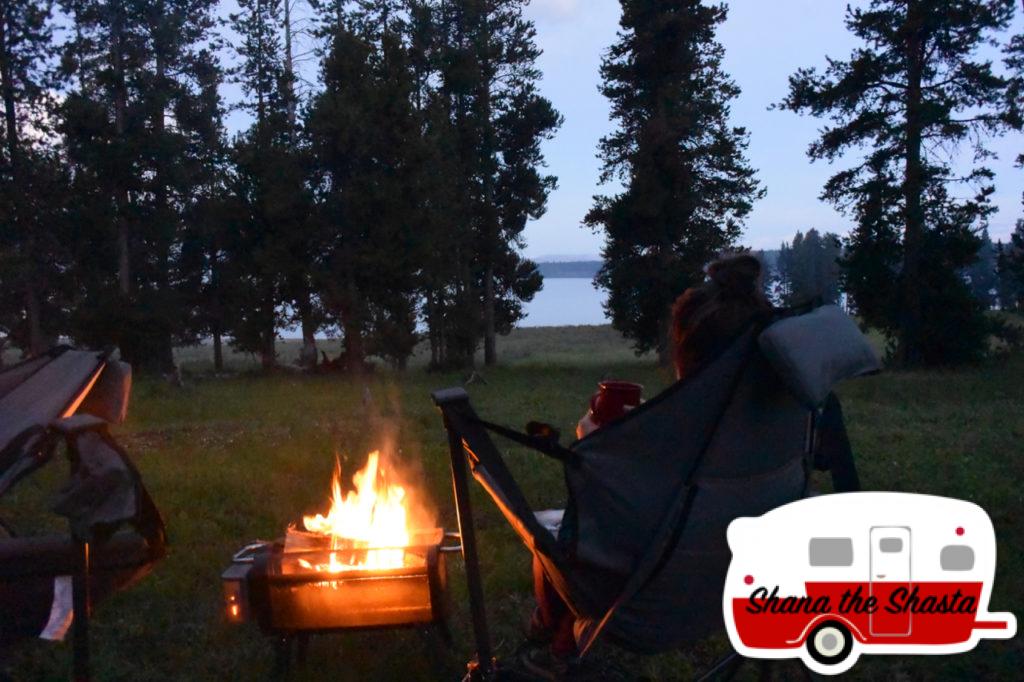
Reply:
x=705, y=319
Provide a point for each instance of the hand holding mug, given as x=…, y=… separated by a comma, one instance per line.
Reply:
x=613, y=399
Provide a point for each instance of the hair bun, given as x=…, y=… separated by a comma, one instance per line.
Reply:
x=737, y=275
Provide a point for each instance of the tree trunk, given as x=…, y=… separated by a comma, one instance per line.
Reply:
x=308, y=354
x=355, y=353
x=36, y=343
x=268, y=353
x=490, y=344
x=10, y=113
x=908, y=352
x=491, y=227
x=289, y=67
x=120, y=113
x=218, y=350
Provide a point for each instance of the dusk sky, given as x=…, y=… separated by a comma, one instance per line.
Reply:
x=764, y=43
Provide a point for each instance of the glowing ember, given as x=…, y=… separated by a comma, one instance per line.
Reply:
x=371, y=517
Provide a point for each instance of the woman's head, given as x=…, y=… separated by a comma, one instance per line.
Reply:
x=707, y=317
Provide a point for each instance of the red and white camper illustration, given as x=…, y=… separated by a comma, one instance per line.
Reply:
x=831, y=577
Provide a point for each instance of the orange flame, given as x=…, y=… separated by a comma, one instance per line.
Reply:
x=372, y=517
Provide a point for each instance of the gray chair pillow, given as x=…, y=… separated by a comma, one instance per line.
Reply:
x=814, y=352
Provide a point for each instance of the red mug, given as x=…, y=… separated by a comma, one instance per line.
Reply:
x=614, y=399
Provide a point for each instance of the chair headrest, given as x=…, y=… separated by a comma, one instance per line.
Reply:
x=813, y=352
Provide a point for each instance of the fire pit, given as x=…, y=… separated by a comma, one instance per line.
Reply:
x=359, y=566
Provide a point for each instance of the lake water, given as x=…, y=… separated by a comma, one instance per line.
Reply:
x=562, y=302
x=566, y=302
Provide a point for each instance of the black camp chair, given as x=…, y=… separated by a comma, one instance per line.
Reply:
x=641, y=554
x=116, y=533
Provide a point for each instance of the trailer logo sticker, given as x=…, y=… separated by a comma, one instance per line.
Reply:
x=828, y=578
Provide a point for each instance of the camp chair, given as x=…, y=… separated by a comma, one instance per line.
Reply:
x=116, y=533
x=641, y=553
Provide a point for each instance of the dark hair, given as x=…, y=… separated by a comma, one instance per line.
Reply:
x=706, y=318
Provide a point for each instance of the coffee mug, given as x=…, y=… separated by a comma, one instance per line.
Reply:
x=613, y=399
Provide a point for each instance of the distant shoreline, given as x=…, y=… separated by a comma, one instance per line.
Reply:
x=582, y=269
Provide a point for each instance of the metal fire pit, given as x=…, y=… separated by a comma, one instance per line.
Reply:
x=281, y=590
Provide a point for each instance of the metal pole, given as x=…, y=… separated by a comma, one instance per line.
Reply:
x=485, y=661
x=81, y=603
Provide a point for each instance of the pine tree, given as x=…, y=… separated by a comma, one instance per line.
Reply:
x=209, y=212
x=367, y=142
x=443, y=217
x=508, y=120
x=131, y=145
x=31, y=253
x=913, y=89
x=299, y=287
x=269, y=182
x=687, y=186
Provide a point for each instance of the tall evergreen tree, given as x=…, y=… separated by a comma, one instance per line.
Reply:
x=367, y=143
x=131, y=144
x=210, y=212
x=269, y=181
x=30, y=175
x=485, y=55
x=687, y=186
x=508, y=120
x=915, y=88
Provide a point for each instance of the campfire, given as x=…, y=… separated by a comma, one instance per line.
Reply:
x=368, y=527
x=368, y=561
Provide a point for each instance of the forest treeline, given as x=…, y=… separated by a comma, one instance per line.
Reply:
x=383, y=192
x=385, y=196
x=905, y=121
x=809, y=267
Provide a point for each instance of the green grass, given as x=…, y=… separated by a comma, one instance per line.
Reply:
x=582, y=345
x=232, y=459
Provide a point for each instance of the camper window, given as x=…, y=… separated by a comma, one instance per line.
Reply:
x=891, y=545
x=831, y=552
x=956, y=558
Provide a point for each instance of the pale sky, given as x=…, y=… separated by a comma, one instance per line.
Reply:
x=765, y=41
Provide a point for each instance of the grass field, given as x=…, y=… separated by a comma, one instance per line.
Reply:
x=235, y=458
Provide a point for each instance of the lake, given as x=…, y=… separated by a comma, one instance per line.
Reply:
x=568, y=301
x=562, y=302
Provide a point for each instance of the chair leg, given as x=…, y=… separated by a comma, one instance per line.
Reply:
x=81, y=603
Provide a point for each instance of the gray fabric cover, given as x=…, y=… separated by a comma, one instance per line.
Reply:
x=641, y=475
x=813, y=352
x=52, y=391
x=55, y=387
x=102, y=492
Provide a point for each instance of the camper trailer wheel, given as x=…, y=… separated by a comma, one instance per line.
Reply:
x=830, y=643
